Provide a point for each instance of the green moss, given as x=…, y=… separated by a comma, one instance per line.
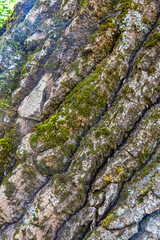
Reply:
x=8, y=146
x=108, y=47
x=5, y=150
x=4, y=237
x=120, y=109
x=75, y=66
x=119, y=39
x=151, y=69
x=61, y=183
x=125, y=89
x=30, y=57
x=125, y=6
x=64, y=2
x=53, y=167
x=109, y=23
x=103, y=132
x=153, y=40
x=83, y=99
x=29, y=188
x=21, y=158
x=34, y=218
x=13, y=82
x=6, y=8
x=38, y=206
x=5, y=180
x=139, y=59
x=51, y=65
x=89, y=234
x=5, y=104
x=10, y=81
x=55, y=176
x=143, y=157
x=29, y=173
x=10, y=189
x=79, y=110
x=72, y=147
x=124, y=193
x=145, y=20
x=15, y=233
x=82, y=3
x=136, y=5
x=112, y=4
x=121, y=56
x=24, y=70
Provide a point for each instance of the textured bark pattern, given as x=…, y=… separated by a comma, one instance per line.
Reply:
x=80, y=120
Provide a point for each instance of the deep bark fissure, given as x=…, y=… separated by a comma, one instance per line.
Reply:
x=114, y=203
x=94, y=28
x=148, y=159
x=99, y=169
x=4, y=227
x=108, y=105
x=131, y=63
x=112, y=152
x=41, y=71
x=142, y=223
x=85, y=232
x=132, y=59
x=105, y=160
x=85, y=133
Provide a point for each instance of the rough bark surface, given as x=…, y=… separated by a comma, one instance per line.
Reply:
x=80, y=120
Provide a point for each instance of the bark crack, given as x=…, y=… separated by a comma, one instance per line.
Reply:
x=112, y=152
x=142, y=224
x=100, y=168
x=114, y=203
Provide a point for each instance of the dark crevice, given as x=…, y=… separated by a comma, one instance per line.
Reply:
x=114, y=203
x=130, y=154
x=112, y=151
x=132, y=60
x=99, y=169
x=85, y=232
x=105, y=160
x=60, y=31
x=47, y=115
x=101, y=21
x=4, y=227
x=30, y=119
x=103, y=188
x=41, y=70
x=156, y=195
x=100, y=117
x=142, y=224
